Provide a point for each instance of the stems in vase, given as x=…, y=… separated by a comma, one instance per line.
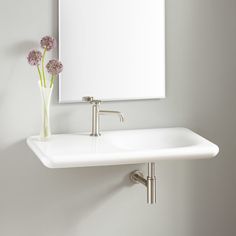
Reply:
x=45, y=103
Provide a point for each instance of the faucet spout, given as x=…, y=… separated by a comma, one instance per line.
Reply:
x=119, y=114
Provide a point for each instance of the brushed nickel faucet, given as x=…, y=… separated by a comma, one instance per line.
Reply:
x=96, y=112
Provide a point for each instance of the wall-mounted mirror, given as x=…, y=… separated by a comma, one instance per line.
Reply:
x=112, y=49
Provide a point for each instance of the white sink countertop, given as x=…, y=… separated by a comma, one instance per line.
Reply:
x=121, y=147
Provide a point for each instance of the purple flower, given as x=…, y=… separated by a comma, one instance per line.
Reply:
x=34, y=57
x=48, y=43
x=54, y=67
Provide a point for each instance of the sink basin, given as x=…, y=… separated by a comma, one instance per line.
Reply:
x=151, y=139
x=122, y=147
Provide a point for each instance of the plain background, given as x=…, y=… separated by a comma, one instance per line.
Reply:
x=194, y=197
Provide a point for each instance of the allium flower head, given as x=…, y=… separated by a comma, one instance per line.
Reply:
x=34, y=57
x=48, y=43
x=54, y=67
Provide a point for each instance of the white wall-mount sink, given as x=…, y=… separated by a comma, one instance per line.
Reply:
x=121, y=147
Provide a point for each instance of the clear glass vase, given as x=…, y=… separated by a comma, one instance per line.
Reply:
x=46, y=94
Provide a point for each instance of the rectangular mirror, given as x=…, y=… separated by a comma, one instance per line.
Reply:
x=112, y=49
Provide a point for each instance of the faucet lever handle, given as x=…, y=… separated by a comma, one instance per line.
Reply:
x=91, y=100
x=87, y=99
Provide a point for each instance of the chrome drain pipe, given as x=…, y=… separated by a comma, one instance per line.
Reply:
x=138, y=178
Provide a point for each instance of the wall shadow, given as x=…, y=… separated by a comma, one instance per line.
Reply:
x=63, y=197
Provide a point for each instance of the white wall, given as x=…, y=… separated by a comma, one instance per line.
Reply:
x=194, y=198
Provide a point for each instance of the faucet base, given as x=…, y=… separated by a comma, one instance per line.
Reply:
x=95, y=135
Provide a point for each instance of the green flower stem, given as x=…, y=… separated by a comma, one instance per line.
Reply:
x=52, y=81
x=43, y=59
x=40, y=76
